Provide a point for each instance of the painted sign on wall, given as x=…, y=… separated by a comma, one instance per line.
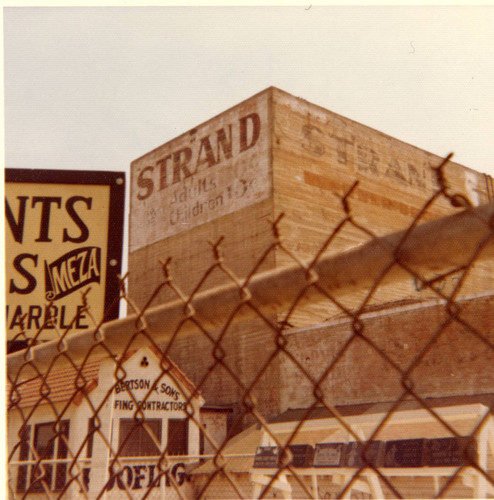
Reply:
x=132, y=393
x=146, y=476
x=213, y=170
x=63, y=237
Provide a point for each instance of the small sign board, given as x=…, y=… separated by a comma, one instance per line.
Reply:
x=303, y=455
x=443, y=452
x=329, y=454
x=63, y=237
x=355, y=452
x=267, y=457
x=447, y=452
x=405, y=453
x=145, y=387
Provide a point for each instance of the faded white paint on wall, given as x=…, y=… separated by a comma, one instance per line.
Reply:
x=213, y=170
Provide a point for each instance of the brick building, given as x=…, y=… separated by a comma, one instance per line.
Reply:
x=402, y=354
x=277, y=153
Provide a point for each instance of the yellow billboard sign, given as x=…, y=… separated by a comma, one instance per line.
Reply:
x=63, y=250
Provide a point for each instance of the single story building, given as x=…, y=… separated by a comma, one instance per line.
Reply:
x=442, y=447
x=120, y=428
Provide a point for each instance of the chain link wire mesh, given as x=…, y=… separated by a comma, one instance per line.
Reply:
x=54, y=453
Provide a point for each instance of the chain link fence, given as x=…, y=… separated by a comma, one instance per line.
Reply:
x=397, y=402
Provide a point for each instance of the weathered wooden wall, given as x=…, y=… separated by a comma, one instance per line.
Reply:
x=458, y=363
x=318, y=155
x=299, y=159
x=276, y=153
x=211, y=182
x=227, y=374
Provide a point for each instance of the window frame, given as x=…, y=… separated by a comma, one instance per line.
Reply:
x=55, y=473
x=172, y=437
x=86, y=471
x=25, y=435
x=124, y=442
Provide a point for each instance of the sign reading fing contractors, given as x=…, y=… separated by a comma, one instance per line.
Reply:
x=164, y=397
x=213, y=170
x=59, y=246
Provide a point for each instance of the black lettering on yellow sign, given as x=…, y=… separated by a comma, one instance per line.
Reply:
x=19, y=266
x=17, y=222
x=68, y=273
x=46, y=317
x=62, y=258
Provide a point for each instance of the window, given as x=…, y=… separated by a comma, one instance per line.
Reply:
x=48, y=443
x=139, y=439
x=91, y=428
x=22, y=471
x=178, y=436
x=202, y=439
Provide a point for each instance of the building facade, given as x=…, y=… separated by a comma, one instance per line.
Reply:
x=140, y=427
x=109, y=435
x=275, y=153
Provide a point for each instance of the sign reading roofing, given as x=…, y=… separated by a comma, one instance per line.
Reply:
x=58, y=246
x=215, y=169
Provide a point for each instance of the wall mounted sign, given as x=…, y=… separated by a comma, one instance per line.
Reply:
x=329, y=454
x=63, y=237
x=406, y=453
x=144, y=388
x=302, y=455
x=355, y=451
x=441, y=452
x=145, y=476
x=267, y=457
x=452, y=451
x=215, y=169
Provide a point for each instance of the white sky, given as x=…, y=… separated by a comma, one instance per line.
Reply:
x=97, y=87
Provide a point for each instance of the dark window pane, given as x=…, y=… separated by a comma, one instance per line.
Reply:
x=21, y=478
x=201, y=441
x=44, y=444
x=62, y=439
x=139, y=440
x=90, y=437
x=46, y=441
x=85, y=478
x=60, y=476
x=177, y=443
x=22, y=471
x=41, y=478
x=61, y=469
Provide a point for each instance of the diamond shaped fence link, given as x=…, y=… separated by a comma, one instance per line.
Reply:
x=44, y=462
